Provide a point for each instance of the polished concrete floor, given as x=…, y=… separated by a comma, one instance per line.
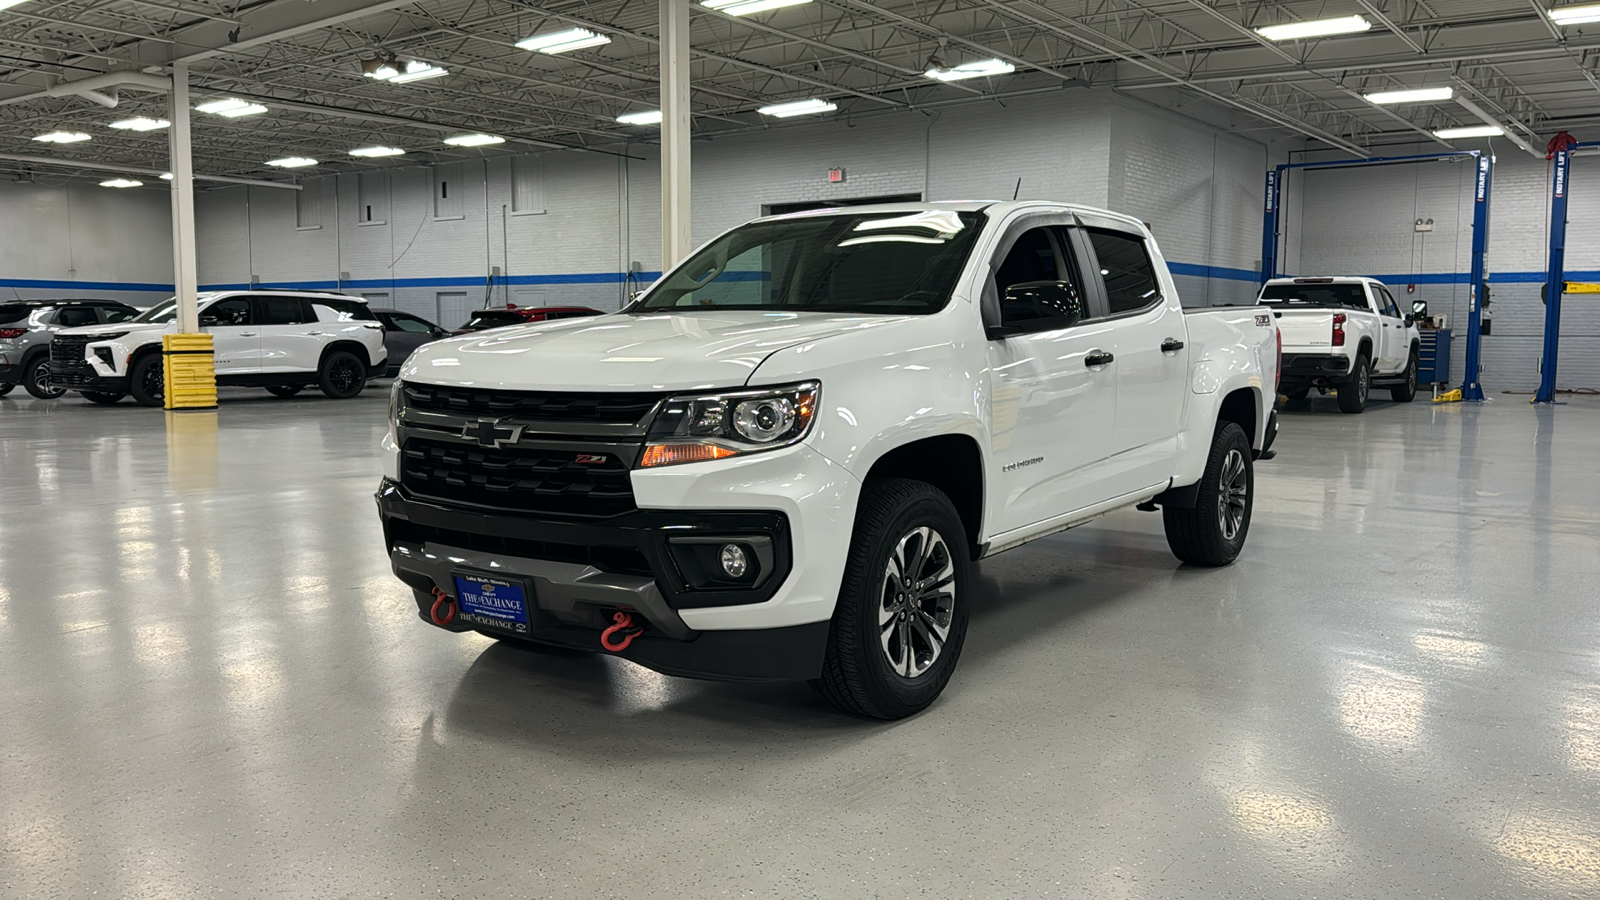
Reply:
x=211, y=686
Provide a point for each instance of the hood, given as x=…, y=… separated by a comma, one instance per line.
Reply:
x=119, y=328
x=655, y=351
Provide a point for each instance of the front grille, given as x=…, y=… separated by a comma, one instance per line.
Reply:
x=616, y=560
x=519, y=480
x=67, y=365
x=625, y=409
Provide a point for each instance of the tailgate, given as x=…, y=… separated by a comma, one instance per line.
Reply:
x=1305, y=329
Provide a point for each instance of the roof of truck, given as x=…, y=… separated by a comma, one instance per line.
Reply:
x=993, y=207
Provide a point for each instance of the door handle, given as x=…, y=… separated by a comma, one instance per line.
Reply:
x=1098, y=359
x=1171, y=345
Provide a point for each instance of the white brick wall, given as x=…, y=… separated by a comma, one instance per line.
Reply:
x=55, y=239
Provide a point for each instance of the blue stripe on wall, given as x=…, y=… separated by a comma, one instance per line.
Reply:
x=38, y=285
x=1189, y=269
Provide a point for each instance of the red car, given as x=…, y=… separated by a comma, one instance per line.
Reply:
x=512, y=314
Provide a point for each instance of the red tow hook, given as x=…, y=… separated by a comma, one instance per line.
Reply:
x=610, y=639
x=444, y=608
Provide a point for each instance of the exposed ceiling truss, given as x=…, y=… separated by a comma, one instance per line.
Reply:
x=303, y=61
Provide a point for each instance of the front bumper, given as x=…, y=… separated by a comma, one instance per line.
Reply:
x=580, y=572
x=80, y=380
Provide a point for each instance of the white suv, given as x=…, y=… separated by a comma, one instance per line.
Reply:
x=279, y=340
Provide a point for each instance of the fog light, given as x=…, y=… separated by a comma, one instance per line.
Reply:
x=734, y=562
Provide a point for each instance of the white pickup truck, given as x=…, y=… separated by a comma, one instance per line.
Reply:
x=782, y=460
x=1346, y=334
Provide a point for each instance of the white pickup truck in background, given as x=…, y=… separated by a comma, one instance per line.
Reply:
x=782, y=459
x=1344, y=334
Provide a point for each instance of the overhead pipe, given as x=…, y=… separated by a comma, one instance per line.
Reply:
x=60, y=163
x=1510, y=135
x=94, y=88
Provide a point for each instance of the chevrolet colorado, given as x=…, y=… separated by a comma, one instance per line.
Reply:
x=782, y=459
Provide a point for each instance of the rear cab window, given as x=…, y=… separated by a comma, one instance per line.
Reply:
x=1320, y=295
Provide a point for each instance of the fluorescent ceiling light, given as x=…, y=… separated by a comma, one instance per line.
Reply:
x=231, y=107
x=7, y=4
x=1298, y=31
x=383, y=72
x=1561, y=15
x=563, y=41
x=292, y=162
x=798, y=108
x=377, y=151
x=141, y=124
x=1471, y=131
x=62, y=137
x=416, y=70
x=121, y=183
x=166, y=176
x=747, y=7
x=474, y=140
x=981, y=69
x=653, y=117
x=1418, y=95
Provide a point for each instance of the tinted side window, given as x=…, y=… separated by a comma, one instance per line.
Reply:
x=10, y=314
x=1033, y=259
x=1129, y=276
x=283, y=311
x=76, y=316
x=1390, y=308
x=232, y=311
x=406, y=323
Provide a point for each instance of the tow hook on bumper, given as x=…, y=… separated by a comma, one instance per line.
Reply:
x=443, y=611
x=617, y=637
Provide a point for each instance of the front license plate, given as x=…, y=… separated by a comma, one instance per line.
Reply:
x=492, y=602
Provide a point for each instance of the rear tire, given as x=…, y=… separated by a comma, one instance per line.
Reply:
x=1406, y=391
x=902, y=612
x=285, y=390
x=36, y=379
x=104, y=399
x=1213, y=532
x=342, y=375
x=147, y=381
x=1353, y=394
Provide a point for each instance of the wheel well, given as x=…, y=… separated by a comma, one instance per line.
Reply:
x=141, y=352
x=951, y=463
x=33, y=353
x=1239, y=408
x=354, y=347
x=1365, y=347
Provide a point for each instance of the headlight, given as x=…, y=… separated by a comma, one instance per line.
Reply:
x=397, y=402
x=107, y=337
x=700, y=427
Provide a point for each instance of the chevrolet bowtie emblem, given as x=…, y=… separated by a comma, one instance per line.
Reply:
x=492, y=432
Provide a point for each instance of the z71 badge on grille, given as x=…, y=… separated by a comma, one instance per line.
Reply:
x=592, y=459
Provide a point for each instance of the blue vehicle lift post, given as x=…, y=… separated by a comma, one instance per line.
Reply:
x=1483, y=185
x=1555, y=275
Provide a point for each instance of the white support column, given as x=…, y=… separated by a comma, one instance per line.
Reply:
x=676, y=234
x=185, y=273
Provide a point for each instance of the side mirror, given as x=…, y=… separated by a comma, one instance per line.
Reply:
x=1419, y=309
x=1411, y=319
x=1052, y=304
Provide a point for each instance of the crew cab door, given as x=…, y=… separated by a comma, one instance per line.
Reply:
x=1392, y=324
x=1149, y=337
x=1053, y=411
x=235, y=335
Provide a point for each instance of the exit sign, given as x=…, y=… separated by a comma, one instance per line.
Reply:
x=835, y=176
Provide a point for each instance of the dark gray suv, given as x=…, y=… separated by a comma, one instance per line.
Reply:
x=26, y=327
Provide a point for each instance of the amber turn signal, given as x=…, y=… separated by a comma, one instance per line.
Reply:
x=673, y=454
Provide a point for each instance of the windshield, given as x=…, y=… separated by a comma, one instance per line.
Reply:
x=884, y=263
x=160, y=313
x=1345, y=296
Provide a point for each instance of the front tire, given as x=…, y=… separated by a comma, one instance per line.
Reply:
x=1353, y=394
x=36, y=379
x=1213, y=532
x=342, y=375
x=902, y=612
x=104, y=399
x=147, y=381
x=1406, y=391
